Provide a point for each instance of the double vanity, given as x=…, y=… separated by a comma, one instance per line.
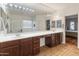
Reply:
x=27, y=44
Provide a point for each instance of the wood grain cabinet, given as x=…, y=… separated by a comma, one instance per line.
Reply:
x=53, y=40
x=26, y=47
x=36, y=45
x=10, y=48
x=58, y=38
x=49, y=41
x=22, y=47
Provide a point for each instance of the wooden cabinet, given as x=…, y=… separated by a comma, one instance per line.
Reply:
x=58, y=38
x=10, y=48
x=36, y=45
x=53, y=40
x=26, y=47
x=10, y=51
x=22, y=47
x=49, y=41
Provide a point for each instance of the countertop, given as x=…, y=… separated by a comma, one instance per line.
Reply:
x=15, y=36
x=71, y=31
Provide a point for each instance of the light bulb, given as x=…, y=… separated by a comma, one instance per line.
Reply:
x=20, y=7
x=15, y=6
x=10, y=5
x=27, y=8
x=23, y=8
x=32, y=10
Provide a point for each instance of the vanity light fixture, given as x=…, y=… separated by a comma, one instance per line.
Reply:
x=10, y=5
x=23, y=8
x=20, y=7
x=32, y=10
x=27, y=8
x=15, y=6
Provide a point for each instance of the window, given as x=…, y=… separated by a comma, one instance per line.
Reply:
x=72, y=25
x=27, y=24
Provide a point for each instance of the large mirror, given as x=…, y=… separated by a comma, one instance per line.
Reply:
x=13, y=19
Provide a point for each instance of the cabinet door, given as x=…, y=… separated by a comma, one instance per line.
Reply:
x=53, y=40
x=26, y=47
x=49, y=41
x=58, y=38
x=10, y=51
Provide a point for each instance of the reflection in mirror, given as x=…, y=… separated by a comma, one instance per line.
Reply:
x=27, y=25
x=4, y=19
x=16, y=20
x=72, y=25
x=59, y=24
x=53, y=24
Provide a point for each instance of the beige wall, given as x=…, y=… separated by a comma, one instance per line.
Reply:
x=41, y=22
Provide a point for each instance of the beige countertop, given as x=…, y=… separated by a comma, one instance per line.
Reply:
x=15, y=36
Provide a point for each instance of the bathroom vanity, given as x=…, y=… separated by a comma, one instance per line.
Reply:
x=27, y=44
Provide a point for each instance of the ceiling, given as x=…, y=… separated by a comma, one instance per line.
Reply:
x=48, y=8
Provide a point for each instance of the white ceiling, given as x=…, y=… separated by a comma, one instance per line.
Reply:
x=47, y=8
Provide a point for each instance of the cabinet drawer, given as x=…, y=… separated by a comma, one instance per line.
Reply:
x=25, y=40
x=36, y=45
x=36, y=38
x=36, y=42
x=9, y=43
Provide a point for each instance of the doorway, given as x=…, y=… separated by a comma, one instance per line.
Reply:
x=71, y=24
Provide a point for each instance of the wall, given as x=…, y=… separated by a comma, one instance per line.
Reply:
x=41, y=22
x=70, y=11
